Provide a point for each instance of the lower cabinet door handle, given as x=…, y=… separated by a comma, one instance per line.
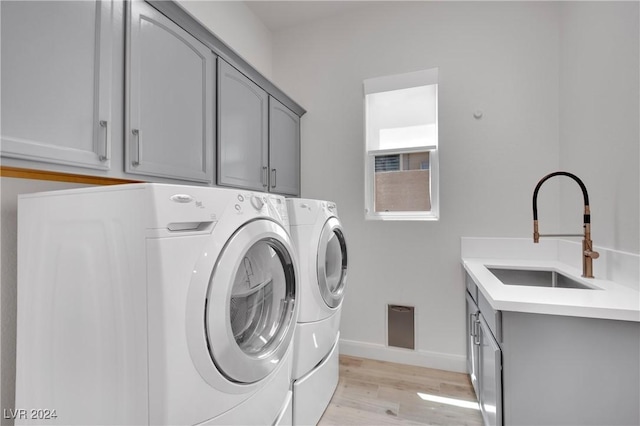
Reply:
x=274, y=174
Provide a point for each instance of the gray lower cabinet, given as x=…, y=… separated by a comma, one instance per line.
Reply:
x=535, y=369
x=169, y=129
x=56, y=81
x=484, y=362
x=243, y=124
x=284, y=149
x=489, y=374
x=472, y=347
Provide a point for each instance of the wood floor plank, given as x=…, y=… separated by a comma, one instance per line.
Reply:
x=372, y=392
x=458, y=391
x=340, y=415
x=358, y=387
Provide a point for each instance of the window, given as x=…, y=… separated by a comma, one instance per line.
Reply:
x=401, y=146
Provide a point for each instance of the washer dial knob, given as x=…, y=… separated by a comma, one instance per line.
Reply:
x=257, y=202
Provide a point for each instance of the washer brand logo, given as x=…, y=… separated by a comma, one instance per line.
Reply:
x=181, y=198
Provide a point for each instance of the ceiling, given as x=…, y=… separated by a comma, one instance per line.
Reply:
x=278, y=15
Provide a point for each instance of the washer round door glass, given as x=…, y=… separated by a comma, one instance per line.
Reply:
x=251, y=300
x=332, y=262
x=258, y=289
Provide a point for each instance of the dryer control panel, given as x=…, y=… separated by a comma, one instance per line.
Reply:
x=331, y=208
x=309, y=212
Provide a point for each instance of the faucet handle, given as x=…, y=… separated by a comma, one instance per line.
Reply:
x=592, y=254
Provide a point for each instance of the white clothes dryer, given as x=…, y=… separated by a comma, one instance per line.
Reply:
x=319, y=238
x=155, y=304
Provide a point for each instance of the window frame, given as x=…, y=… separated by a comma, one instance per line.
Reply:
x=398, y=82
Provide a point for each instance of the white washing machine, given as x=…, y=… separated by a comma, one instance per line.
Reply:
x=155, y=304
x=318, y=236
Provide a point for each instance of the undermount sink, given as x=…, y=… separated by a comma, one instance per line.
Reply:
x=537, y=278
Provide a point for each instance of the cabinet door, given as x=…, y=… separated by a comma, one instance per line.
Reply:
x=242, y=130
x=170, y=99
x=472, y=345
x=56, y=81
x=284, y=149
x=490, y=375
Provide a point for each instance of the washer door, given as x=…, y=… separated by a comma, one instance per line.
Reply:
x=249, y=313
x=332, y=262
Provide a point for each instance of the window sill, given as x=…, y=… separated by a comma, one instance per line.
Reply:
x=402, y=216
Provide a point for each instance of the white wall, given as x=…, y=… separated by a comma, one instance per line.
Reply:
x=599, y=119
x=499, y=57
x=235, y=24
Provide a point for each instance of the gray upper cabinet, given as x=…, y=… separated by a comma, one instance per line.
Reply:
x=284, y=149
x=258, y=137
x=169, y=130
x=184, y=103
x=56, y=81
x=242, y=130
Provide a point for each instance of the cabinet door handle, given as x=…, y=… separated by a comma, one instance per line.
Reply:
x=274, y=174
x=105, y=146
x=472, y=325
x=265, y=177
x=135, y=161
x=476, y=338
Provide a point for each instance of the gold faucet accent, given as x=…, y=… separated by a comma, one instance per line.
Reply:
x=587, y=245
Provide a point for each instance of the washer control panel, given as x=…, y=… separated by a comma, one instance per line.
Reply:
x=257, y=202
x=279, y=206
x=252, y=201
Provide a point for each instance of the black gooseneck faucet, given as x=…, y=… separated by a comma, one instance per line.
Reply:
x=587, y=245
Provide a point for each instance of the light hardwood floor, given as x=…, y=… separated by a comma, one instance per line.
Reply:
x=383, y=393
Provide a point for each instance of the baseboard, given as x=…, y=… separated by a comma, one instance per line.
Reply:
x=427, y=359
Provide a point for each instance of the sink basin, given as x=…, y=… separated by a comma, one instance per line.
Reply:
x=537, y=278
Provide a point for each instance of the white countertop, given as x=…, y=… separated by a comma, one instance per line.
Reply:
x=609, y=299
